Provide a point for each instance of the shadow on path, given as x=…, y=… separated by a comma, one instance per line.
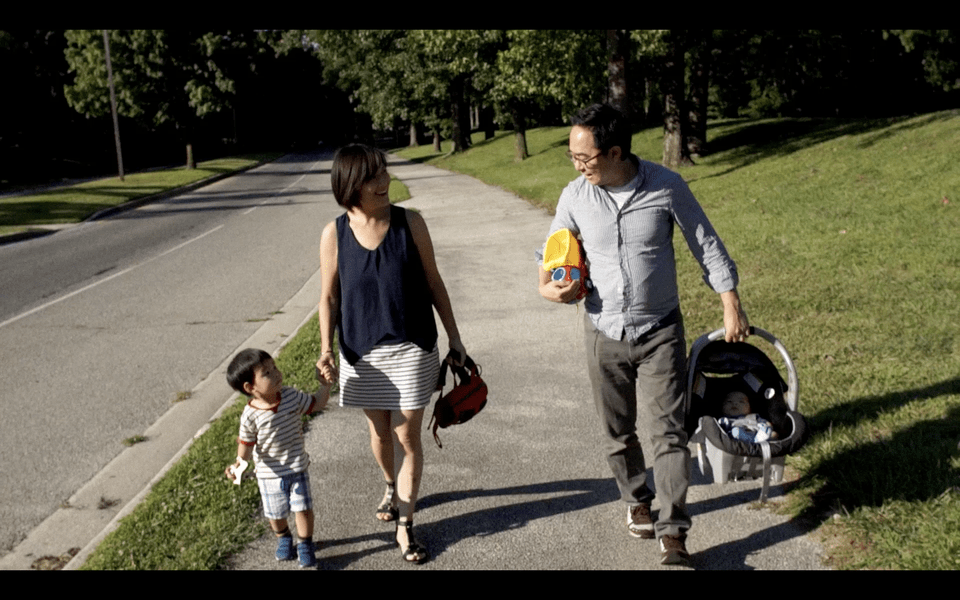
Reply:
x=561, y=497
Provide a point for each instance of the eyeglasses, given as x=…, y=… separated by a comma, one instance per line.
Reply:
x=583, y=161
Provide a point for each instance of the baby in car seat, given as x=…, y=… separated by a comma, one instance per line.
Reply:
x=742, y=424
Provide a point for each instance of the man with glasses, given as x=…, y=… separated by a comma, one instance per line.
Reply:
x=624, y=209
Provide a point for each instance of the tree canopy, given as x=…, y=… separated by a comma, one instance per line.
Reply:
x=295, y=86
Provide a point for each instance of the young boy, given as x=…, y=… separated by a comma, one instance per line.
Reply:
x=271, y=432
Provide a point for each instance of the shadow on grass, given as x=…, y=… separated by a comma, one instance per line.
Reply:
x=745, y=142
x=479, y=143
x=419, y=160
x=913, y=464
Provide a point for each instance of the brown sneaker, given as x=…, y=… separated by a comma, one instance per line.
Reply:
x=639, y=522
x=673, y=551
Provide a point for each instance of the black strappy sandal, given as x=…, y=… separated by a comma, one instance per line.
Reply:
x=415, y=553
x=387, y=511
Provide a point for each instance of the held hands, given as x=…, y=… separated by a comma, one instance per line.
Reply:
x=327, y=368
x=322, y=395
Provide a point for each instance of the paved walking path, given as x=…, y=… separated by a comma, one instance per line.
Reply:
x=523, y=485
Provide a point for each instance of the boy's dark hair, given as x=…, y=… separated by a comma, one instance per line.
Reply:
x=353, y=166
x=243, y=367
x=608, y=125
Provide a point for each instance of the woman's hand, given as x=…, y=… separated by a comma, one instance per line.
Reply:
x=457, y=346
x=327, y=368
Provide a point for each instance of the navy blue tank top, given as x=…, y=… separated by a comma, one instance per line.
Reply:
x=384, y=296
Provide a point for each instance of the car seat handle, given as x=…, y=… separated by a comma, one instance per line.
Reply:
x=793, y=394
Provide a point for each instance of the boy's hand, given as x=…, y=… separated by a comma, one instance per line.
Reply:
x=235, y=471
x=321, y=397
x=327, y=369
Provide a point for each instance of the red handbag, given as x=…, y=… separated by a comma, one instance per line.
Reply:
x=466, y=399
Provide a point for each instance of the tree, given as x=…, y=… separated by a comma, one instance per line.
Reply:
x=459, y=64
x=538, y=68
x=940, y=49
x=385, y=74
x=618, y=46
x=675, y=122
x=817, y=73
x=696, y=138
x=435, y=76
x=33, y=70
x=162, y=78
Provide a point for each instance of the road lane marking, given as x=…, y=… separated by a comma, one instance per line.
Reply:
x=250, y=210
x=128, y=269
x=106, y=279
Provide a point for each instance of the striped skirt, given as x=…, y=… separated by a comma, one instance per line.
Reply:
x=394, y=377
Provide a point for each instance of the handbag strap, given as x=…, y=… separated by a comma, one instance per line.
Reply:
x=461, y=373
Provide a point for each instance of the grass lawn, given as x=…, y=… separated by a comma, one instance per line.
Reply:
x=847, y=238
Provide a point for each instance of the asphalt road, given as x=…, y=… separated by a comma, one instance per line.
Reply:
x=523, y=486
x=104, y=326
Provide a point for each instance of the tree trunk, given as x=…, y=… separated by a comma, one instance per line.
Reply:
x=414, y=141
x=486, y=122
x=436, y=141
x=647, y=99
x=618, y=49
x=699, y=84
x=459, y=116
x=520, y=129
x=675, y=151
x=191, y=163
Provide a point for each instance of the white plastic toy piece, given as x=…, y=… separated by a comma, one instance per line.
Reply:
x=238, y=470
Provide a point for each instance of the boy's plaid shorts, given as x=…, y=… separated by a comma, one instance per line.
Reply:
x=283, y=495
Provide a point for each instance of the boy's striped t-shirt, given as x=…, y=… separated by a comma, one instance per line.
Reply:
x=277, y=434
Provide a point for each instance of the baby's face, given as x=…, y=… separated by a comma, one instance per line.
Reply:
x=735, y=403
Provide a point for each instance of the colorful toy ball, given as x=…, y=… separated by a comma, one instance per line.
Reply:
x=563, y=257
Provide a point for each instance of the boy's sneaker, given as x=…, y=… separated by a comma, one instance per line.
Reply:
x=305, y=550
x=285, y=548
x=639, y=522
x=673, y=551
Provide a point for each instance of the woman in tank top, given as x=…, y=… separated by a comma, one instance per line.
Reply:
x=380, y=284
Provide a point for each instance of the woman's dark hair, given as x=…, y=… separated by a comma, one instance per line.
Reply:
x=608, y=125
x=354, y=165
x=243, y=367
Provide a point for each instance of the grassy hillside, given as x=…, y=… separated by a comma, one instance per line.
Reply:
x=847, y=237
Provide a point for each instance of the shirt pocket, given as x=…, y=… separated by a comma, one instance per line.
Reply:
x=646, y=231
